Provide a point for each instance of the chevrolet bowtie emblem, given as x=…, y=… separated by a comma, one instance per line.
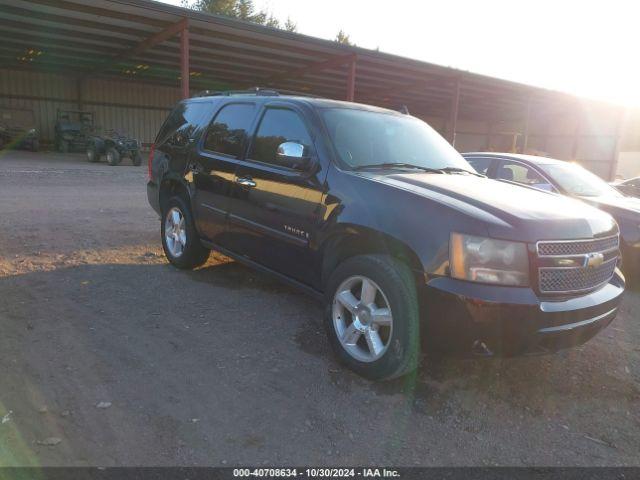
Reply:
x=594, y=260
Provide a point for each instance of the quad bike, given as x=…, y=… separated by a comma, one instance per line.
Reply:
x=72, y=130
x=18, y=129
x=113, y=146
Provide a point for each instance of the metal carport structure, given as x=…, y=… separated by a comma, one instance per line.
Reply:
x=182, y=51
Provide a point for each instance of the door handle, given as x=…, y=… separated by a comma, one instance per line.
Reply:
x=245, y=182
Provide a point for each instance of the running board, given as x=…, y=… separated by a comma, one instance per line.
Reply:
x=317, y=295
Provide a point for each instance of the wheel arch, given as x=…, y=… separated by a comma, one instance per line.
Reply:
x=353, y=240
x=169, y=187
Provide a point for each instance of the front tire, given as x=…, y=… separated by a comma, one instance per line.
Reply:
x=372, y=317
x=180, y=240
x=92, y=154
x=113, y=156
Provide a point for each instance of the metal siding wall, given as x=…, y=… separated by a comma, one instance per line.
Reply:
x=133, y=107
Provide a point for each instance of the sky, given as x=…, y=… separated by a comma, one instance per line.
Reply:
x=588, y=48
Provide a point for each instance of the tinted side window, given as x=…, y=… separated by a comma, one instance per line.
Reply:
x=481, y=165
x=277, y=126
x=519, y=173
x=182, y=122
x=228, y=131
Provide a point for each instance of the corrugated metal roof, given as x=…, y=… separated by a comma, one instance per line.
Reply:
x=88, y=36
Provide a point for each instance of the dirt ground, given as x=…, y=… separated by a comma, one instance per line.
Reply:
x=109, y=356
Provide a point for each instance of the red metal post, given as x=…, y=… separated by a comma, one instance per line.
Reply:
x=184, y=60
x=622, y=117
x=453, y=119
x=576, y=132
x=351, y=81
x=527, y=120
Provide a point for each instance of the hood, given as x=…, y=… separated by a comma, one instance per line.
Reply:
x=615, y=203
x=510, y=211
x=625, y=210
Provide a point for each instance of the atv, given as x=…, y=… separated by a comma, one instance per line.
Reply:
x=72, y=130
x=114, y=146
x=18, y=129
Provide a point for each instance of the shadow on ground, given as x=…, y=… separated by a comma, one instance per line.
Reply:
x=224, y=365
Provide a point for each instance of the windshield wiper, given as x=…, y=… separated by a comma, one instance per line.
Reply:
x=399, y=165
x=460, y=170
x=418, y=167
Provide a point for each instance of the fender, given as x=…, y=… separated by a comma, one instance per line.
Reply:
x=389, y=211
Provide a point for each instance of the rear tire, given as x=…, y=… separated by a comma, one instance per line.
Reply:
x=180, y=240
x=113, y=156
x=378, y=336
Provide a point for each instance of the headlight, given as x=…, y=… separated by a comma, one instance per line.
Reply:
x=32, y=131
x=485, y=260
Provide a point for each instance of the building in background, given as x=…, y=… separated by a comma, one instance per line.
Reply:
x=129, y=61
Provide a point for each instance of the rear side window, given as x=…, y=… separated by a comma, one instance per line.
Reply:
x=481, y=165
x=183, y=122
x=516, y=172
x=228, y=132
x=278, y=125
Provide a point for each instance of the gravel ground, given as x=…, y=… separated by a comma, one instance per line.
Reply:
x=225, y=366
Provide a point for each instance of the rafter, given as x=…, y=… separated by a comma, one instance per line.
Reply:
x=155, y=39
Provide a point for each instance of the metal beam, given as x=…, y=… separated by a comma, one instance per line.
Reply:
x=622, y=116
x=453, y=118
x=79, y=89
x=155, y=39
x=351, y=80
x=527, y=119
x=184, y=61
x=576, y=132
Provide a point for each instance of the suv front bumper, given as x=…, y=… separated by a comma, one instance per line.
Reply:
x=464, y=317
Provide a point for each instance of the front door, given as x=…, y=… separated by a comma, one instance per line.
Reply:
x=274, y=211
x=213, y=167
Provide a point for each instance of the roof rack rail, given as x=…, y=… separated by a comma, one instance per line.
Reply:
x=258, y=91
x=266, y=92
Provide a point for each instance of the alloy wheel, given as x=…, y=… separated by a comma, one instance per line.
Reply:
x=175, y=232
x=362, y=318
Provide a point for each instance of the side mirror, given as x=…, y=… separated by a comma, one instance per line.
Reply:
x=293, y=155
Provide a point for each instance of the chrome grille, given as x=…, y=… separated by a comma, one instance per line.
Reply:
x=554, y=280
x=580, y=276
x=546, y=249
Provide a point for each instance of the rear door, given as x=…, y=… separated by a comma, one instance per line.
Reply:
x=274, y=212
x=213, y=167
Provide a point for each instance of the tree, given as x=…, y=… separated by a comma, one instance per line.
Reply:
x=240, y=9
x=343, y=38
x=290, y=25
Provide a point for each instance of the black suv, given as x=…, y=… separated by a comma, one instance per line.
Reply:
x=373, y=211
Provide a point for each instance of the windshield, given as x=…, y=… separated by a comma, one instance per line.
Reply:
x=578, y=181
x=364, y=138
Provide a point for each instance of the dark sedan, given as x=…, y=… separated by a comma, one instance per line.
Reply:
x=569, y=179
x=630, y=187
